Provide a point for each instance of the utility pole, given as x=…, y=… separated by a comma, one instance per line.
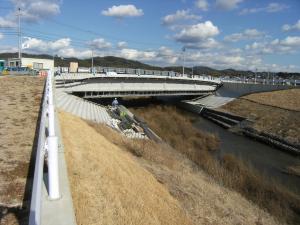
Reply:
x=183, y=51
x=192, y=71
x=92, y=62
x=19, y=36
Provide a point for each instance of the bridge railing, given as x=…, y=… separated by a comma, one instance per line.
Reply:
x=262, y=81
x=164, y=73
x=47, y=146
x=136, y=71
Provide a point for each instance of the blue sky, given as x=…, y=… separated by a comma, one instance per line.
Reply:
x=239, y=34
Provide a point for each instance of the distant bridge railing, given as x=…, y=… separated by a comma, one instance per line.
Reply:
x=164, y=73
x=47, y=143
x=278, y=81
x=99, y=69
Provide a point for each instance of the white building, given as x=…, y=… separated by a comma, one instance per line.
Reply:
x=33, y=63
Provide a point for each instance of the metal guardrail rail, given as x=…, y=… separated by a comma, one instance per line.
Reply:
x=47, y=143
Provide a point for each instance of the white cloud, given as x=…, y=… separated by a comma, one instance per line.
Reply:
x=270, y=8
x=202, y=4
x=1, y=36
x=5, y=23
x=294, y=27
x=293, y=41
x=122, y=44
x=247, y=34
x=123, y=11
x=100, y=44
x=35, y=10
x=162, y=56
x=137, y=55
x=31, y=11
x=71, y=52
x=209, y=43
x=227, y=4
x=61, y=47
x=40, y=46
x=288, y=45
x=275, y=7
x=178, y=16
x=198, y=32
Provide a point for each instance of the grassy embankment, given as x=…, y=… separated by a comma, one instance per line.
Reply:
x=108, y=186
x=176, y=130
x=277, y=112
x=205, y=201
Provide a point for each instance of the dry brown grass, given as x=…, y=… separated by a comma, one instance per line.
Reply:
x=295, y=170
x=230, y=172
x=286, y=99
x=108, y=186
x=204, y=200
x=19, y=107
x=169, y=123
x=274, y=120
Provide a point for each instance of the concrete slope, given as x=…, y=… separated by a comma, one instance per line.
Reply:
x=82, y=108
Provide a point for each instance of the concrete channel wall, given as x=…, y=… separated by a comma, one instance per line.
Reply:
x=229, y=91
x=236, y=90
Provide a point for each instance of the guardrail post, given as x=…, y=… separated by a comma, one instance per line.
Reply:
x=52, y=142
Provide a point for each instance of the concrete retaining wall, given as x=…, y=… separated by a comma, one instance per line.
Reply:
x=235, y=90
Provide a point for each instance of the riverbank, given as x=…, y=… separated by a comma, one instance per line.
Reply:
x=108, y=186
x=229, y=172
x=116, y=180
x=274, y=113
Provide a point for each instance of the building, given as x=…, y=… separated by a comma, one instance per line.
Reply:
x=73, y=67
x=32, y=63
x=2, y=65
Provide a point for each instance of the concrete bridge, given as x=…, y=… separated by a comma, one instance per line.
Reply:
x=122, y=85
x=214, y=91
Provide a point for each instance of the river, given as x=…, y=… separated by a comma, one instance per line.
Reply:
x=268, y=160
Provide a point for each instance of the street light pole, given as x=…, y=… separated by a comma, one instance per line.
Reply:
x=19, y=36
x=183, y=51
x=192, y=71
x=92, y=62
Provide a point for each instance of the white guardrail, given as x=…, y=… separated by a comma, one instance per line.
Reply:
x=47, y=146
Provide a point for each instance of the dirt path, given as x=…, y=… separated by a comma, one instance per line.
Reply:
x=19, y=106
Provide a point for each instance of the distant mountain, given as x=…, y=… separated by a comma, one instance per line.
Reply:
x=112, y=61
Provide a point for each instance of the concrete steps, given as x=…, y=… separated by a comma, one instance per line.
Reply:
x=82, y=108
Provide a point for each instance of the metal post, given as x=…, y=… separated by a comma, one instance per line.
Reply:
x=192, y=71
x=183, y=51
x=92, y=62
x=19, y=36
x=52, y=143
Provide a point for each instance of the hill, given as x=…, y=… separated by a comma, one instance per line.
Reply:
x=112, y=61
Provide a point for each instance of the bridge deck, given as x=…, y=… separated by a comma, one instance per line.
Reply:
x=133, y=85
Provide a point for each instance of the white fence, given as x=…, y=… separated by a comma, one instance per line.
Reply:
x=47, y=146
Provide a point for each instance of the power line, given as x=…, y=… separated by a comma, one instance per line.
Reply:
x=85, y=45
x=104, y=35
x=55, y=35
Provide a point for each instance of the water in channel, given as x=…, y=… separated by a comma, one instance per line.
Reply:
x=266, y=159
